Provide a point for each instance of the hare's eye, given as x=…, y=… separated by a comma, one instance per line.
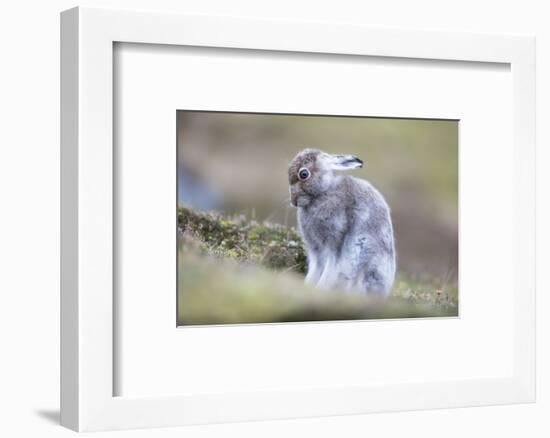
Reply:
x=303, y=174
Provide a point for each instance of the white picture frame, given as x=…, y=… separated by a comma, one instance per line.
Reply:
x=88, y=347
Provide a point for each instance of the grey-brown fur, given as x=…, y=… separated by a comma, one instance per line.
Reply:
x=345, y=224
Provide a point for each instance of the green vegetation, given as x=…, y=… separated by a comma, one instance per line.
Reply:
x=270, y=245
x=231, y=270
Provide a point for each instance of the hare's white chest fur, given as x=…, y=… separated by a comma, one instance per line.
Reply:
x=345, y=224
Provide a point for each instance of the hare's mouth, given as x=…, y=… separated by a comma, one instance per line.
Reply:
x=299, y=198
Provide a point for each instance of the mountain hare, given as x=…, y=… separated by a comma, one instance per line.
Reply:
x=344, y=222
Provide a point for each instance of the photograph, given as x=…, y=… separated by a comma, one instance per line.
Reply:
x=300, y=218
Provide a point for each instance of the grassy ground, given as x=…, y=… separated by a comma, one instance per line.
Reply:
x=239, y=271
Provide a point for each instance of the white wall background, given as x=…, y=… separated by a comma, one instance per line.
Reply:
x=29, y=212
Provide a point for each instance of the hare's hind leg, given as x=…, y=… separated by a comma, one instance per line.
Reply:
x=378, y=276
x=374, y=282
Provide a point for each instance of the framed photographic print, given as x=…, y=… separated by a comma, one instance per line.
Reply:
x=336, y=221
x=258, y=212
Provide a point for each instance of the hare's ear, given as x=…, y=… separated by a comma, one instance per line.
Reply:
x=343, y=162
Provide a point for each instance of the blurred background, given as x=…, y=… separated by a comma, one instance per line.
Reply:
x=236, y=163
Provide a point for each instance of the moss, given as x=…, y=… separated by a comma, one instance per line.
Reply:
x=272, y=246
x=433, y=291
